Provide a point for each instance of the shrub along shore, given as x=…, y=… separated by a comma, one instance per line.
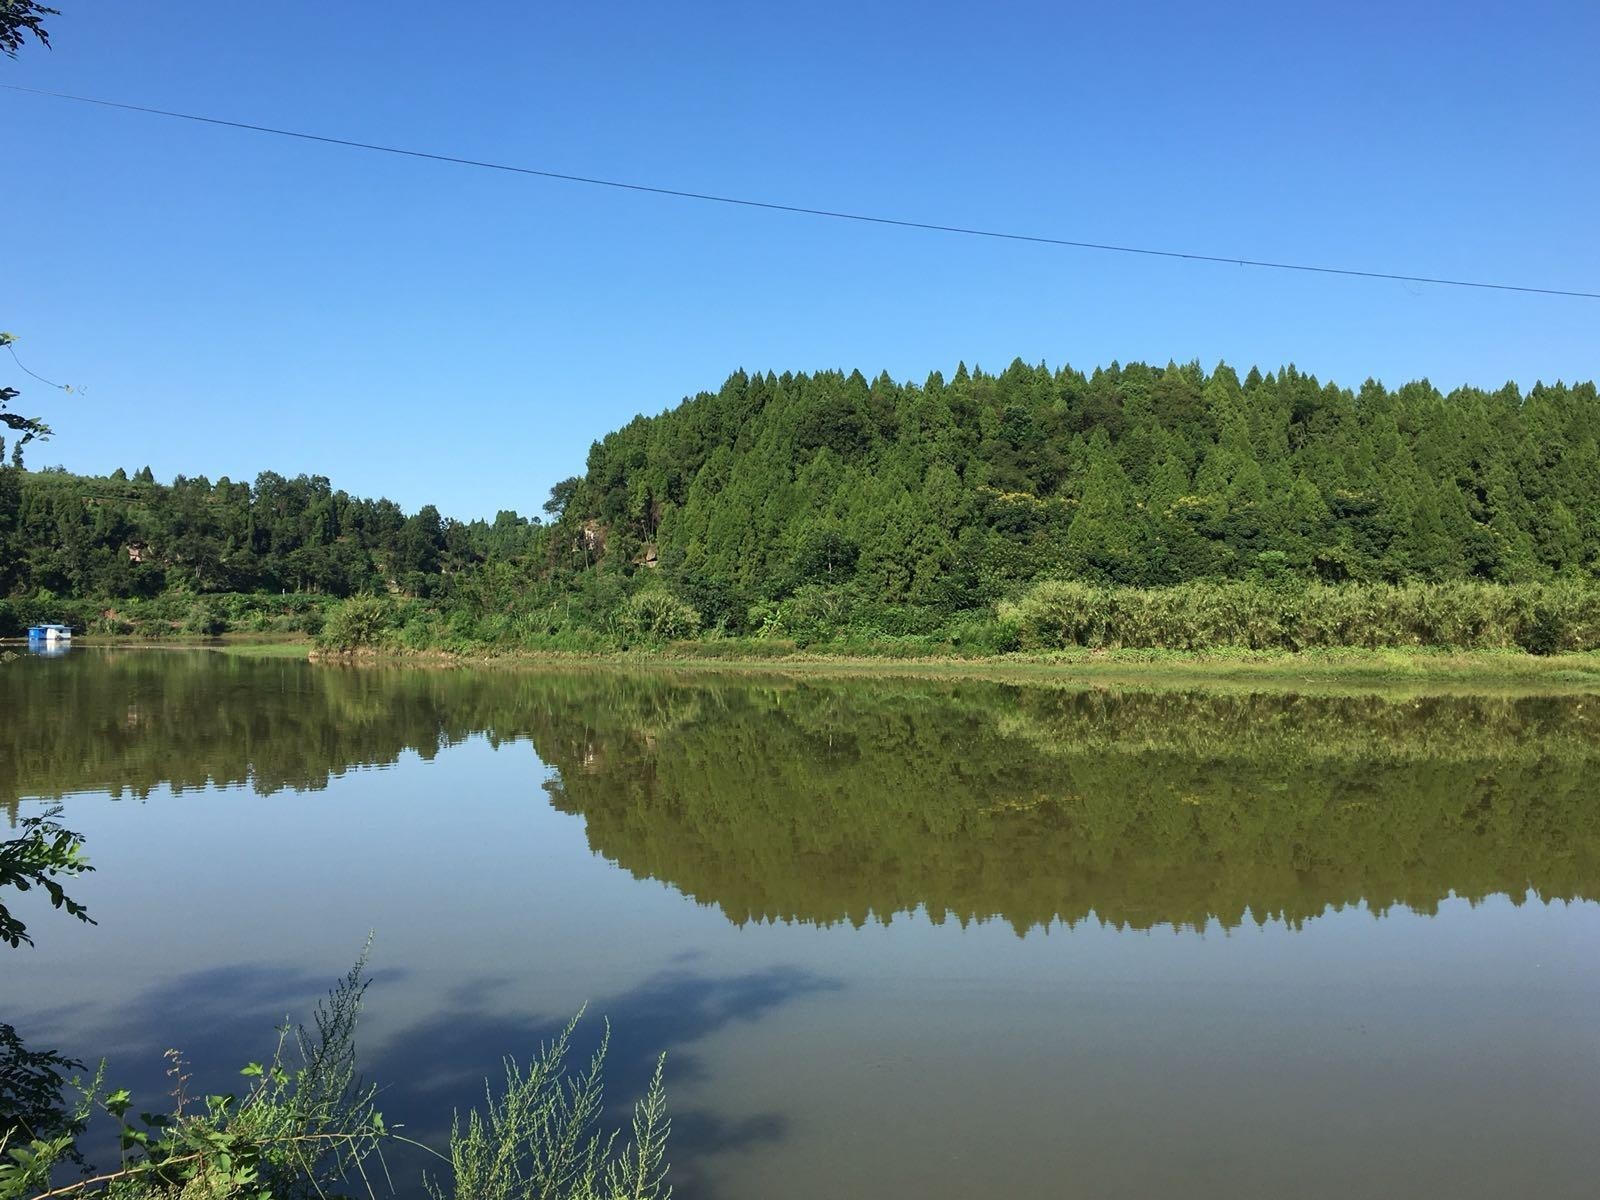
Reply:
x=1054, y=615
x=1284, y=623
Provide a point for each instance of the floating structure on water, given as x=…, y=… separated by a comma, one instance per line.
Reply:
x=50, y=633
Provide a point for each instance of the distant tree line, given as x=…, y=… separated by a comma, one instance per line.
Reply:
x=827, y=507
x=122, y=536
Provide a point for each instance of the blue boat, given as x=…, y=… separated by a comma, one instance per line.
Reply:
x=50, y=633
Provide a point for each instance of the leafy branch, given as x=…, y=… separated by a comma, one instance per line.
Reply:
x=19, y=17
x=40, y=856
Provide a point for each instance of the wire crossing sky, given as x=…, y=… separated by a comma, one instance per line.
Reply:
x=433, y=156
x=730, y=180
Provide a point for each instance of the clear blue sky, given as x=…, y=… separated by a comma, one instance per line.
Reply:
x=234, y=302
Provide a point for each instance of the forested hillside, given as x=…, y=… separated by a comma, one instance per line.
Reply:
x=1136, y=505
x=952, y=493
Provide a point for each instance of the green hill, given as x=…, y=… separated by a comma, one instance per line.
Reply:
x=1135, y=505
x=950, y=493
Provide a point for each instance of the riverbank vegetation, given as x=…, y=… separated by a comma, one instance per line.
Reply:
x=305, y=1125
x=976, y=515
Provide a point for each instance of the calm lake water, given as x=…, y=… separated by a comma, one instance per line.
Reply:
x=900, y=939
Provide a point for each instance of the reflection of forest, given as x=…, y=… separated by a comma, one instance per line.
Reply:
x=807, y=800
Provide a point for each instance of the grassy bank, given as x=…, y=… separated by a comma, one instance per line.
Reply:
x=1261, y=632
x=1352, y=664
x=1330, y=671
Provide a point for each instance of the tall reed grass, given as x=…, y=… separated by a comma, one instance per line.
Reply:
x=1541, y=618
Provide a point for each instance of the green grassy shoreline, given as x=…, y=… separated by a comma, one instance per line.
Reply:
x=1353, y=668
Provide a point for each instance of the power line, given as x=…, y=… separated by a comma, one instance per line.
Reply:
x=743, y=202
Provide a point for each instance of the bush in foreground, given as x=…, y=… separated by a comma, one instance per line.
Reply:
x=656, y=615
x=361, y=622
x=305, y=1126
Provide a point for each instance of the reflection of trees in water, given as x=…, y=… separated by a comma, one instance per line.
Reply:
x=133, y=722
x=823, y=804
x=784, y=799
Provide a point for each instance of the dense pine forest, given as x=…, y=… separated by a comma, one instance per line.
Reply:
x=952, y=492
x=1034, y=507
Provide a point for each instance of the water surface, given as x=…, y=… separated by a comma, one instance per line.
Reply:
x=899, y=938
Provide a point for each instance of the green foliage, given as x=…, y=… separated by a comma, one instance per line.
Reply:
x=359, y=623
x=205, y=619
x=656, y=615
x=303, y=1126
x=540, y=1137
x=894, y=517
x=168, y=614
x=560, y=495
x=40, y=856
x=31, y=1083
x=117, y=538
x=18, y=18
x=1288, y=614
x=952, y=494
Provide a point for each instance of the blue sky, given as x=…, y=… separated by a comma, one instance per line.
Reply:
x=231, y=302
